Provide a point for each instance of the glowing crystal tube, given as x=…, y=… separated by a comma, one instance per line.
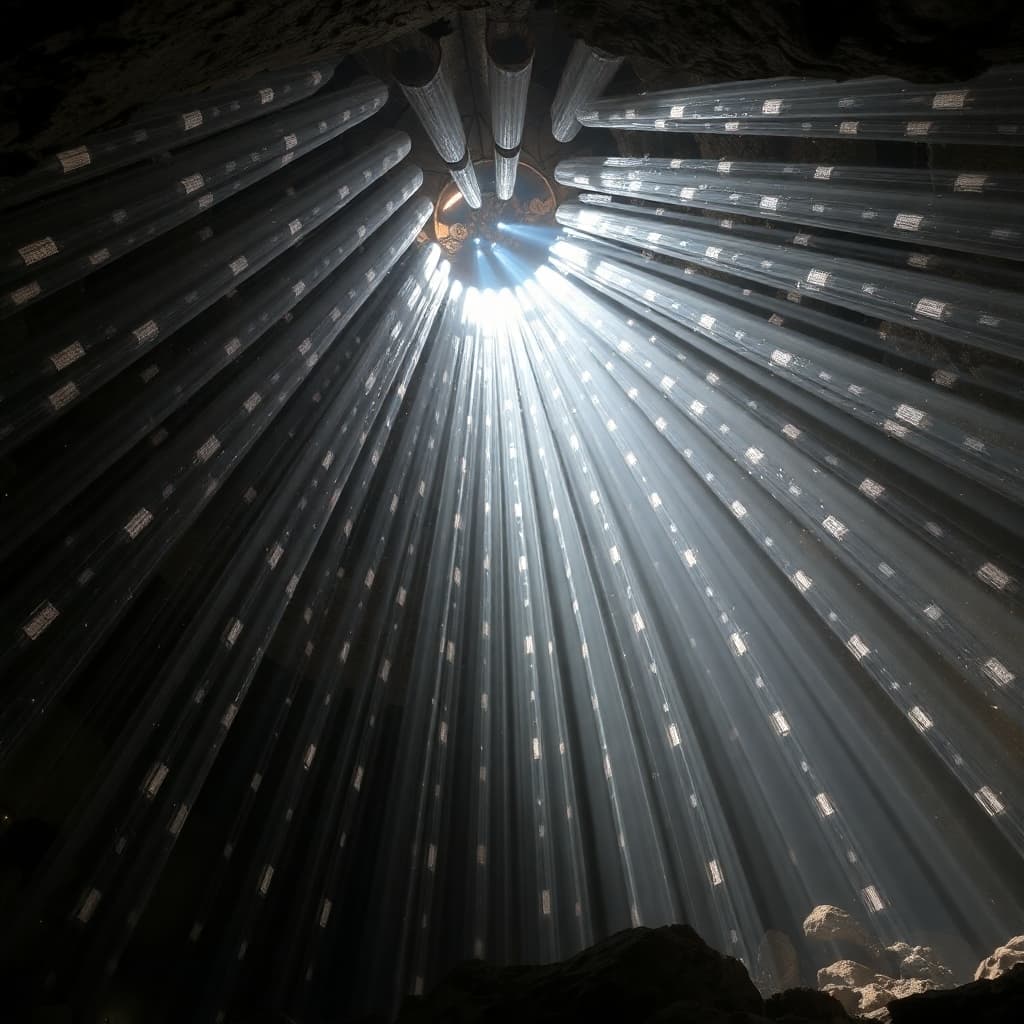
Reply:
x=986, y=111
x=173, y=123
x=587, y=72
x=509, y=63
x=75, y=234
x=421, y=76
x=91, y=348
x=989, y=319
x=962, y=211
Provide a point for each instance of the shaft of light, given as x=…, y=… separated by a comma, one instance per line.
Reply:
x=984, y=318
x=90, y=346
x=586, y=74
x=71, y=236
x=170, y=124
x=170, y=510
x=987, y=111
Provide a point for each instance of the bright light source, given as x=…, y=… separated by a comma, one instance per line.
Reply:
x=450, y=202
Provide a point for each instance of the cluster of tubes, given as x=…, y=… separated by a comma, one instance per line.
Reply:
x=419, y=70
x=420, y=73
x=986, y=111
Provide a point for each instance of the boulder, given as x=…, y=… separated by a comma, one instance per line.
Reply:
x=1002, y=960
x=847, y=973
x=920, y=962
x=847, y=997
x=873, y=997
x=900, y=988
x=826, y=923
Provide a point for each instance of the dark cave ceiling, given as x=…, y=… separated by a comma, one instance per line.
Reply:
x=68, y=71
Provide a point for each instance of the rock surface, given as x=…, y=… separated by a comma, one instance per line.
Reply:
x=1002, y=960
x=845, y=972
x=828, y=924
x=920, y=962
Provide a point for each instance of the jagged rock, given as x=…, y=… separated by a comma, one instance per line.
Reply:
x=1002, y=960
x=847, y=997
x=777, y=964
x=804, y=1004
x=920, y=962
x=873, y=996
x=861, y=991
x=847, y=973
x=900, y=988
x=831, y=924
x=988, y=1001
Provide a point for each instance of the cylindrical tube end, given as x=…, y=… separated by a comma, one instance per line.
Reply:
x=505, y=165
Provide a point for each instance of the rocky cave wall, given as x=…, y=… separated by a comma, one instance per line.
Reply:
x=66, y=72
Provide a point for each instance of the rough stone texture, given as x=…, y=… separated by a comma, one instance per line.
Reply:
x=921, y=963
x=996, y=1001
x=848, y=998
x=861, y=991
x=831, y=924
x=845, y=972
x=872, y=996
x=1002, y=960
x=71, y=69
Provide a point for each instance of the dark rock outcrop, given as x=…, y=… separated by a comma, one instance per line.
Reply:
x=997, y=1001
x=671, y=976
x=638, y=975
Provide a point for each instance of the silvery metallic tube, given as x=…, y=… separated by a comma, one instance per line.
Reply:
x=464, y=176
x=509, y=64
x=587, y=72
x=969, y=212
x=178, y=122
x=116, y=329
x=505, y=167
x=988, y=319
x=421, y=76
x=987, y=111
x=74, y=235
